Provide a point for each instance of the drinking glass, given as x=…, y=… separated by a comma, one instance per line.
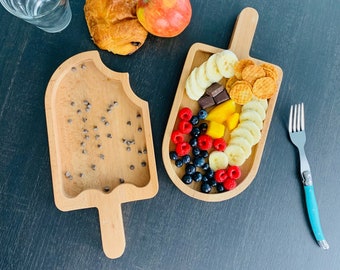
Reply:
x=49, y=15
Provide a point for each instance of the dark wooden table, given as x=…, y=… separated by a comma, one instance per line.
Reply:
x=265, y=227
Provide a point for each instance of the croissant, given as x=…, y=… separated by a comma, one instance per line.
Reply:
x=113, y=25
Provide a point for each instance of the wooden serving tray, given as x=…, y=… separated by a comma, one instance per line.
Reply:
x=240, y=44
x=100, y=143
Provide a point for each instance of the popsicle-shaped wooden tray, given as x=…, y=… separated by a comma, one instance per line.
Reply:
x=100, y=143
x=240, y=44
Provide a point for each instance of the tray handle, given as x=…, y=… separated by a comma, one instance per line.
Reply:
x=244, y=31
x=112, y=229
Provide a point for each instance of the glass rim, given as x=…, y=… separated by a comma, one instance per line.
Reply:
x=26, y=17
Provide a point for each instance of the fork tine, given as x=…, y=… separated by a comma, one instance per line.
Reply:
x=290, y=125
x=298, y=122
x=294, y=118
x=302, y=117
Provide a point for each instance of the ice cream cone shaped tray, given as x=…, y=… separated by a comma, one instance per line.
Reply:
x=100, y=142
x=240, y=44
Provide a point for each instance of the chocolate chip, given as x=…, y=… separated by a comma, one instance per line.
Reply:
x=135, y=43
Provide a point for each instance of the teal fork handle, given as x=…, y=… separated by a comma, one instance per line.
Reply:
x=313, y=214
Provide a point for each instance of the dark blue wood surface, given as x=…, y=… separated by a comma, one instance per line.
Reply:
x=266, y=227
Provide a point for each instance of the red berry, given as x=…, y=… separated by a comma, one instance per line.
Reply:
x=185, y=114
x=204, y=142
x=220, y=144
x=182, y=148
x=185, y=127
x=229, y=184
x=234, y=172
x=220, y=176
x=177, y=137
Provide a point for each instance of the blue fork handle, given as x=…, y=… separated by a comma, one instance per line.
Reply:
x=313, y=214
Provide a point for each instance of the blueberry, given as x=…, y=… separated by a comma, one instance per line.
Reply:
x=204, y=178
x=186, y=159
x=197, y=177
x=205, y=187
x=187, y=179
x=199, y=161
x=190, y=169
x=196, y=151
x=204, y=153
x=212, y=182
x=195, y=132
x=219, y=187
x=205, y=166
x=209, y=173
x=194, y=120
x=193, y=142
x=179, y=163
x=202, y=114
x=203, y=127
x=173, y=155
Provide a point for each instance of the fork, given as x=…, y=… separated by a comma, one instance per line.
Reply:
x=297, y=135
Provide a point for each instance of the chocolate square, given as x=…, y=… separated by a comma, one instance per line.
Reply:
x=214, y=89
x=206, y=101
x=221, y=97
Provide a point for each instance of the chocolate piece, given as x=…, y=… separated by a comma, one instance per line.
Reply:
x=214, y=89
x=206, y=101
x=221, y=97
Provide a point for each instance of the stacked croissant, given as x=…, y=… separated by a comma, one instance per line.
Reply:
x=113, y=25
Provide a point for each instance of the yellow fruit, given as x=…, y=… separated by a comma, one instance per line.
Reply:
x=215, y=130
x=232, y=121
x=221, y=112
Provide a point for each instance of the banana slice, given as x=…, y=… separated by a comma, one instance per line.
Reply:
x=189, y=91
x=226, y=61
x=192, y=89
x=218, y=160
x=253, y=129
x=212, y=70
x=263, y=102
x=255, y=105
x=252, y=116
x=236, y=155
x=244, y=133
x=243, y=143
x=201, y=76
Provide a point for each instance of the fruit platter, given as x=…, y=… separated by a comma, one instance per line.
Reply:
x=220, y=117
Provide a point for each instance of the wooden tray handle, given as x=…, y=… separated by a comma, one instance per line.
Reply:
x=244, y=31
x=112, y=229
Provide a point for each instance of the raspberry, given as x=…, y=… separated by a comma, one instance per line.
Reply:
x=234, y=172
x=220, y=176
x=204, y=142
x=219, y=144
x=229, y=184
x=185, y=114
x=185, y=127
x=177, y=137
x=182, y=149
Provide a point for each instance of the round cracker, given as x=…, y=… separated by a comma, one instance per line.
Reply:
x=264, y=88
x=241, y=92
x=253, y=72
x=230, y=83
x=240, y=65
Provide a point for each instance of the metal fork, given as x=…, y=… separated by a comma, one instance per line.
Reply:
x=297, y=135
